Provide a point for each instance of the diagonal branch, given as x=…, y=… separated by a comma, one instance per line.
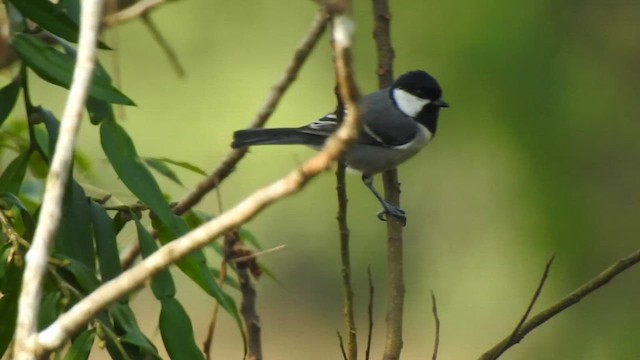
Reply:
x=61, y=165
x=55, y=335
x=291, y=72
x=573, y=298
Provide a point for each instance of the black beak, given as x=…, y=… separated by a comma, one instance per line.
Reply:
x=440, y=103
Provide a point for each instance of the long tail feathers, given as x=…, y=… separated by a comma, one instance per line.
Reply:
x=250, y=137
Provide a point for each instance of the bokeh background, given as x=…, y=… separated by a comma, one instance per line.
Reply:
x=538, y=154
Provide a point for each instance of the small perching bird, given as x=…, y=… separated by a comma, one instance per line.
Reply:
x=397, y=122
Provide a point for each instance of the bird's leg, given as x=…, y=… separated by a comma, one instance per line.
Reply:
x=389, y=209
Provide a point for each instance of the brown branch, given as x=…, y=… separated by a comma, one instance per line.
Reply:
x=395, y=307
x=434, y=310
x=525, y=316
x=232, y=251
x=344, y=354
x=68, y=323
x=208, y=340
x=345, y=258
x=573, y=298
x=370, y=315
x=227, y=166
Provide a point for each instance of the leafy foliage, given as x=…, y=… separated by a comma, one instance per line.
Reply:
x=86, y=252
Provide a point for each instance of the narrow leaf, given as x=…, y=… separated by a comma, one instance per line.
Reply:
x=106, y=243
x=57, y=68
x=9, y=303
x=51, y=18
x=177, y=332
x=74, y=235
x=162, y=284
x=8, y=97
x=163, y=169
x=124, y=158
x=85, y=277
x=13, y=175
x=183, y=164
x=81, y=347
x=124, y=318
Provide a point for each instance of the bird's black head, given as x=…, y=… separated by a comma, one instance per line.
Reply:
x=419, y=84
x=418, y=95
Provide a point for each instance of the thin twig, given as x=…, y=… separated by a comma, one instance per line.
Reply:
x=259, y=253
x=171, y=54
x=525, y=316
x=434, y=310
x=345, y=258
x=369, y=314
x=208, y=340
x=227, y=166
x=344, y=353
x=50, y=213
x=249, y=312
x=138, y=9
x=54, y=336
x=573, y=298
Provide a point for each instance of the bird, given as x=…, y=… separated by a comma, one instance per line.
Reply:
x=396, y=123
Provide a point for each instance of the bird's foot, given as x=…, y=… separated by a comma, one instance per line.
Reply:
x=394, y=211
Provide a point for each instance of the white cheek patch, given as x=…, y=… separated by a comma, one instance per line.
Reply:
x=408, y=103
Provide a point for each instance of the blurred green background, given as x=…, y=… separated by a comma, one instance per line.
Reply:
x=538, y=154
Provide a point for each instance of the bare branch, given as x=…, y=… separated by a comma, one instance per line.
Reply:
x=395, y=307
x=525, y=316
x=573, y=298
x=138, y=9
x=344, y=354
x=69, y=322
x=347, y=288
x=50, y=213
x=434, y=310
x=227, y=166
x=370, y=315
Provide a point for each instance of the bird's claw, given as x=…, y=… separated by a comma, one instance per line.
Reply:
x=394, y=211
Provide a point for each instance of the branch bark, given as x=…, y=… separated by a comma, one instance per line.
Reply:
x=573, y=298
x=395, y=305
x=61, y=167
x=55, y=335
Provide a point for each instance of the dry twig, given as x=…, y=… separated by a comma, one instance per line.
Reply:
x=573, y=298
x=434, y=310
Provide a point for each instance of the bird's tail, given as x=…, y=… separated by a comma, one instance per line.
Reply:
x=250, y=137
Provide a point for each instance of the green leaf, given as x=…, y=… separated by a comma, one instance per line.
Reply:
x=177, y=332
x=53, y=128
x=12, y=177
x=99, y=110
x=124, y=318
x=163, y=169
x=247, y=237
x=8, y=97
x=162, y=284
x=10, y=290
x=122, y=154
x=81, y=347
x=57, y=68
x=49, y=308
x=106, y=243
x=51, y=18
x=27, y=220
x=183, y=164
x=227, y=279
x=194, y=265
x=74, y=235
x=84, y=276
